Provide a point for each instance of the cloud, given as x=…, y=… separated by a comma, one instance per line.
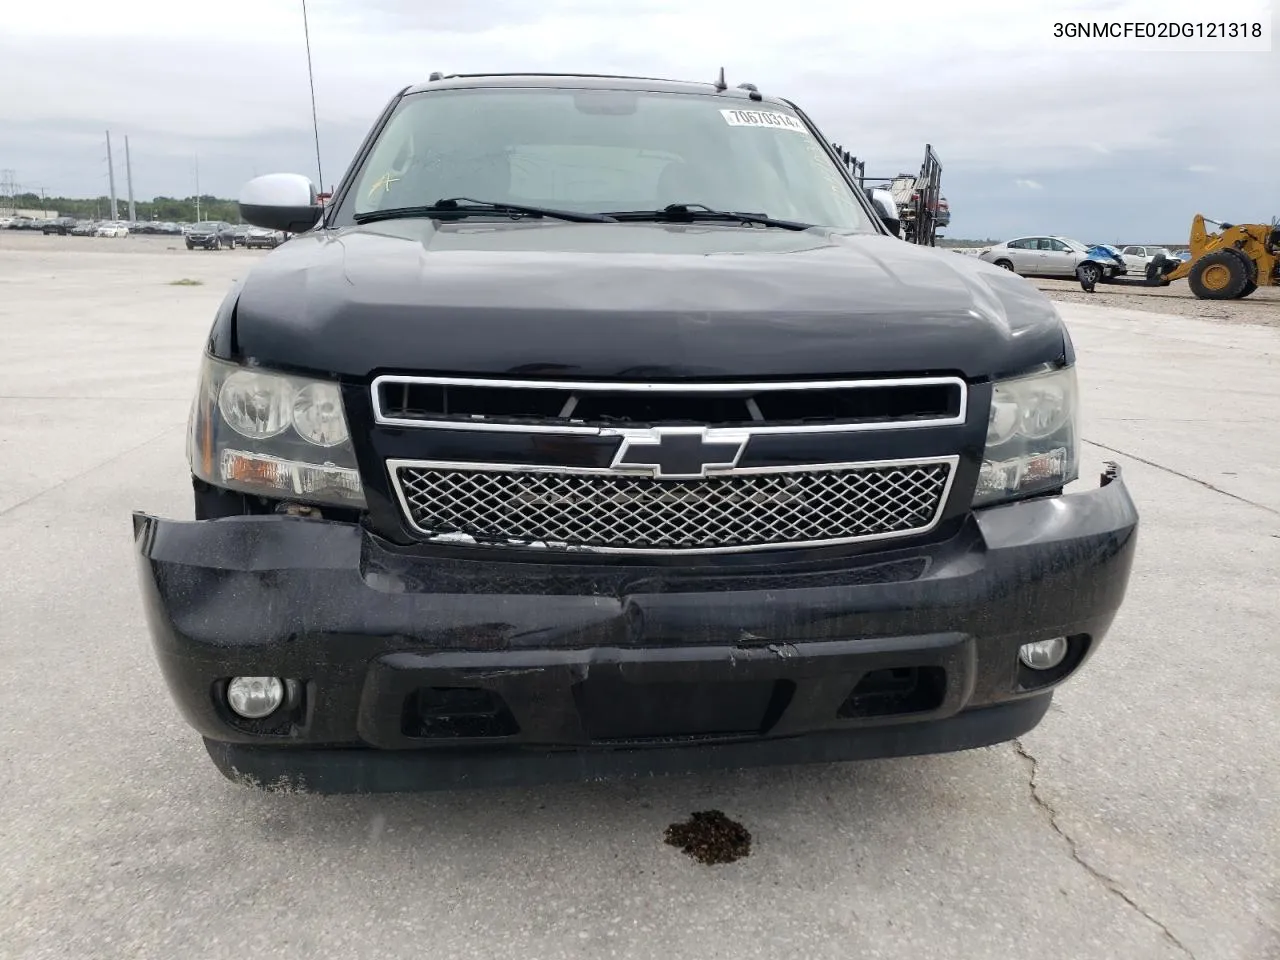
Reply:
x=1200, y=168
x=998, y=97
x=1029, y=184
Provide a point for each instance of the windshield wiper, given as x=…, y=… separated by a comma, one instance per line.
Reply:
x=700, y=212
x=465, y=206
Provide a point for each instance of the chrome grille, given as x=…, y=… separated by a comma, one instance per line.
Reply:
x=614, y=512
x=587, y=407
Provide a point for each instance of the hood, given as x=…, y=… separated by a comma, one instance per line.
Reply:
x=635, y=301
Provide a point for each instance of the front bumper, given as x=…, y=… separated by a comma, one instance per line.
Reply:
x=408, y=671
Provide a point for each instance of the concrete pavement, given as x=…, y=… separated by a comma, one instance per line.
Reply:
x=1140, y=820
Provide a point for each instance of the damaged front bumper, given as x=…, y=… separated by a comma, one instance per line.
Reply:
x=406, y=671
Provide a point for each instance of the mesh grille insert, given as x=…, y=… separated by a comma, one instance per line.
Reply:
x=640, y=513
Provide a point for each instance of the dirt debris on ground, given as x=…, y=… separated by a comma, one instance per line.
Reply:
x=710, y=837
x=1262, y=308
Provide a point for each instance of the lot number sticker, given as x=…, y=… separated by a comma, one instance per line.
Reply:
x=762, y=118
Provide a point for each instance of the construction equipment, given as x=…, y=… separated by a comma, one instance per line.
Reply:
x=1227, y=264
x=922, y=209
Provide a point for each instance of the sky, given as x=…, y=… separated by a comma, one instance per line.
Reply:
x=1096, y=140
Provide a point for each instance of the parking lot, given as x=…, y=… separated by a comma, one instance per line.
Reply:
x=1140, y=820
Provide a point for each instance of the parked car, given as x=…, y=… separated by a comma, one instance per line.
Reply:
x=83, y=228
x=1110, y=258
x=581, y=477
x=112, y=228
x=1137, y=257
x=1049, y=256
x=241, y=232
x=260, y=239
x=59, y=226
x=211, y=235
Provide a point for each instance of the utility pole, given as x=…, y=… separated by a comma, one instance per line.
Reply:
x=111, y=176
x=197, y=188
x=128, y=179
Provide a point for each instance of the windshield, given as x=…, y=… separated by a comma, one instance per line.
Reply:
x=205, y=225
x=600, y=151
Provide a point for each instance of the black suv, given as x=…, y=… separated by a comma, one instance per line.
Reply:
x=597, y=426
x=61, y=226
x=211, y=235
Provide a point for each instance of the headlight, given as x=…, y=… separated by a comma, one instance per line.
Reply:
x=1031, y=437
x=272, y=434
x=256, y=405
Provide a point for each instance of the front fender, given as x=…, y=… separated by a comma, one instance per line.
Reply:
x=222, y=334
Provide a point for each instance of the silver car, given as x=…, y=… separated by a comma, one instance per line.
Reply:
x=1039, y=256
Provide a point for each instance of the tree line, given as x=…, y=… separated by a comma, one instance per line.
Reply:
x=165, y=209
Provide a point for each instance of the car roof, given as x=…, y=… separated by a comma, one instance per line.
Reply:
x=597, y=81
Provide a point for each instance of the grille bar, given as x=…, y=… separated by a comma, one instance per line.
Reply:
x=587, y=407
x=735, y=511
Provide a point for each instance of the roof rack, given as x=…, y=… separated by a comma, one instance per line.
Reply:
x=719, y=84
x=600, y=76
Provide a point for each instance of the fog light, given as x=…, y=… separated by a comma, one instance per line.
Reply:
x=1043, y=654
x=255, y=697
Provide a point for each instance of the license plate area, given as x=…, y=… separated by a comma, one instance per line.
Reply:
x=613, y=709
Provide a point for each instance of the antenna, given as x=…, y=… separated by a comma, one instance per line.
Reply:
x=720, y=84
x=315, y=123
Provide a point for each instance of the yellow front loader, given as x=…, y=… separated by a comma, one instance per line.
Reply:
x=1226, y=265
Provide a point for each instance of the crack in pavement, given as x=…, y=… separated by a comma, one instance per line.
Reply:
x=1108, y=883
x=1184, y=476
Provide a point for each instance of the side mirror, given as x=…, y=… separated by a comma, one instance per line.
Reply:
x=281, y=201
x=884, y=206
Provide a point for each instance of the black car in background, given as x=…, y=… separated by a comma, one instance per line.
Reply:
x=61, y=226
x=212, y=235
x=156, y=228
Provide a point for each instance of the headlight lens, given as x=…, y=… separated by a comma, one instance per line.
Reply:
x=273, y=434
x=256, y=405
x=1031, y=437
x=318, y=415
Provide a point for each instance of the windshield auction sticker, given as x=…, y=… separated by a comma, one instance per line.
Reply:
x=762, y=118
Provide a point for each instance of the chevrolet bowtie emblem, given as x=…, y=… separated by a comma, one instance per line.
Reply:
x=678, y=452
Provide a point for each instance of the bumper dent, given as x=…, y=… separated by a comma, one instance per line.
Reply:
x=364, y=625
